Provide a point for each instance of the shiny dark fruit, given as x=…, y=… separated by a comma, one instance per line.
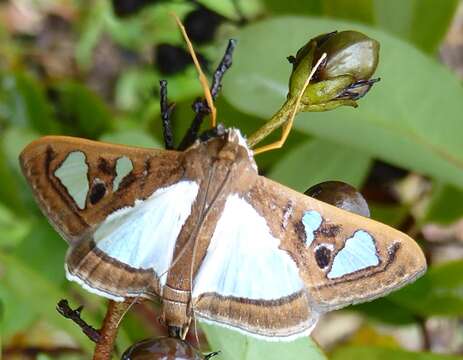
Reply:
x=165, y=348
x=341, y=195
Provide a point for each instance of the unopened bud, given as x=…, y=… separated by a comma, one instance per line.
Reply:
x=344, y=76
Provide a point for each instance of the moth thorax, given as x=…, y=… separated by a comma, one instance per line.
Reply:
x=228, y=153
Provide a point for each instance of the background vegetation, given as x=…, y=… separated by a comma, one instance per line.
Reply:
x=89, y=69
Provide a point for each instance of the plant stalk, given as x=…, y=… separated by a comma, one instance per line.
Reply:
x=276, y=121
x=115, y=312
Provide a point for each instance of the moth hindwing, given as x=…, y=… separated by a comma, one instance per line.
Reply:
x=202, y=231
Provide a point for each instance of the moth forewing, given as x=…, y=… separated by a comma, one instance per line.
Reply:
x=73, y=179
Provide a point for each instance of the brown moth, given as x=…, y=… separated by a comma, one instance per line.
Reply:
x=203, y=232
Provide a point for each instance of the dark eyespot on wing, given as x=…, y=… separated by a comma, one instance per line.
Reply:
x=323, y=256
x=97, y=193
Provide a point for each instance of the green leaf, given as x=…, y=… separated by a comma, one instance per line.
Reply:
x=419, y=21
x=84, y=113
x=438, y=292
x=92, y=25
x=377, y=353
x=234, y=346
x=28, y=296
x=23, y=103
x=154, y=23
x=133, y=138
x=331, y=161
x=360, y=10
x=392, y=215
x=445, y=206
x=15, y=140
x=44, y=250
x=410, y=119
x=294, y=6
x=134, y=88
x=386, y=311
x=9, y=189
x=233, y=9
x=13, y=229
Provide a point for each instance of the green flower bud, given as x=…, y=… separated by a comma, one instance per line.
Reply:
x=342, y=78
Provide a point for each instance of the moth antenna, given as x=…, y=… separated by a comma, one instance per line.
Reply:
x=289, y=124
x=202, y=77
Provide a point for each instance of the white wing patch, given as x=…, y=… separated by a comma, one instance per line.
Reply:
x=73, y=175
x=358, y=253
x=311, y=221
x=144, y=236
x=124, y=167
x=243, y=258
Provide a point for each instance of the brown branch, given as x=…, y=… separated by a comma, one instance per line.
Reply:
x=104, y=347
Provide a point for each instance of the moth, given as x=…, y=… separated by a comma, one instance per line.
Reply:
x=203, y=232
x=209, y=237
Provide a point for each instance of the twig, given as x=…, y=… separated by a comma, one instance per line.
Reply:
x=74, y=315
x=199, y=106
x=104, y=347
x=166, y=110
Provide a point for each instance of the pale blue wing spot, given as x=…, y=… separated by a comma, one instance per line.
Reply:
x=73, y=175
x=124, y=167
x=358, y=253
x=311, y=221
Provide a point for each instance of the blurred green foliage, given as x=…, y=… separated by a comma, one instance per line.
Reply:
x=411, y=120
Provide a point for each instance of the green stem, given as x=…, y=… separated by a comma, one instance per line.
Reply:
x=277, y=120
x=285, y=112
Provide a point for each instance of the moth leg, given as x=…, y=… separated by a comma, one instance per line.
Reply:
x=277, y=144
x=166, y=110
x=199, y=107
x=289, y=123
